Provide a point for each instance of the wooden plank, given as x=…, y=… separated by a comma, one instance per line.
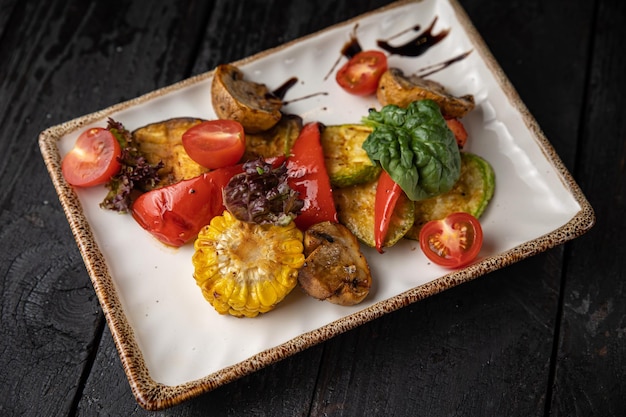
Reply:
x=484, y=348
x=6, y=10
x=591, y=367
x=479, y=349
x=282, y=389
x=58, y=62
x=49, y=317
x=254, y=27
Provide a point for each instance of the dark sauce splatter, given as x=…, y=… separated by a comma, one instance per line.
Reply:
x=281, y=91
x=431, y=69
x=352, y=47
x=418, y=45
x=349, y=49
x=321, y=93
x=413, y=48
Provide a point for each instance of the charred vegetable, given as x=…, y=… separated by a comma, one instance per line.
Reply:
x=245, y=268
x=261, y=194
x=346, y=161
x=251, y=104
x=174, y=214
x=335, y=270
x=137, y=173
x=355, y=209
x=471, y=194
x=276, y=141
x=396, y=88
x=162, y=142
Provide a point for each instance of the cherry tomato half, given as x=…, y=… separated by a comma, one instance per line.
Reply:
x=93, y=160
x=215, y=143
x=360, y=75
x=452, y=242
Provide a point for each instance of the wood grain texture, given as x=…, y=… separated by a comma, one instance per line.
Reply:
x=541, y=337
x=590, y=370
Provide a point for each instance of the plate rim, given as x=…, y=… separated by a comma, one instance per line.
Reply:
x=153, y=395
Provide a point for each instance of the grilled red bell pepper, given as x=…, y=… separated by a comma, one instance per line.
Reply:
x=308, y=176
x=174, y=214
x=387, y=194
x=460, y=134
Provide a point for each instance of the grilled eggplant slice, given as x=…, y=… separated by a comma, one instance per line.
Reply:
x=251, y=104
x=471, y=194
x=355, y=210
x=274, y=142
x=334, y=269
x=346, y=161
x=162, y=141
x=396, y=88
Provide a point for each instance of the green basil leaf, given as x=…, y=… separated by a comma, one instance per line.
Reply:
x=416, y=147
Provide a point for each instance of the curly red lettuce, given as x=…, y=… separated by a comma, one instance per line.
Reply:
x=262, y=195
x=136, y=175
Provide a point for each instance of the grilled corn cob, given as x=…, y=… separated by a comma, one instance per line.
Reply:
x=245, y=268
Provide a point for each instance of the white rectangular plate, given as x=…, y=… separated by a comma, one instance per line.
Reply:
x=173, y=344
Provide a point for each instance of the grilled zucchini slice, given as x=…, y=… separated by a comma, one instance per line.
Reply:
x=355, y=210
x=471, y=194
x=162, y=141
x=346, y=161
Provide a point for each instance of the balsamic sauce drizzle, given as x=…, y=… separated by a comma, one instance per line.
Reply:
x=412, y=48
x=282, y=90
x=431, y=69
x=418, y=45
x=321, y=93
x=349, y=49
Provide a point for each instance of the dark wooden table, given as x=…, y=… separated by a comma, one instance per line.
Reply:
x=545, y=336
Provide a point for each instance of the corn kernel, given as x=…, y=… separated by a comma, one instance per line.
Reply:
x=245, y=269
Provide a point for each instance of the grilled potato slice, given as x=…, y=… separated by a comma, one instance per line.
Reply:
x=471, y=194
x=162, y=141
x=251, y=104
x=346, y=161
x=274, y=142
x=396, y=88
x=355, y=210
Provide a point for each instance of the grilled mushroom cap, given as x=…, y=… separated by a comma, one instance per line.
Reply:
x=334, y=270
x=251, y=104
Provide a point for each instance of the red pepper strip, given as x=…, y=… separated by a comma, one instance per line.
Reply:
x=387, y=194
x=460, y=134
x=174, y=214
x=308, y=176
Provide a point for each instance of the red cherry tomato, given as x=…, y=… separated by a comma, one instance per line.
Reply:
x=93, y=160
x=308, y=176
x=174, y=214
x=360, y=75
x=215, y=143
x=452, y=242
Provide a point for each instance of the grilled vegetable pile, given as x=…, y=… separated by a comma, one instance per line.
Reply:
x=270, y=202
